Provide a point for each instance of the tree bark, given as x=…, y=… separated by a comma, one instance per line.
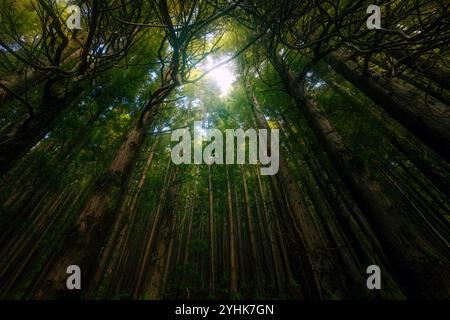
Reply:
x=155, y=288
x=251, y=232
x=319, y=264
x=211, y=242
x=436, y=174
x=125, y=219
x=231, y=241
x=423, y=116
x=420, y=259
x=82, y=246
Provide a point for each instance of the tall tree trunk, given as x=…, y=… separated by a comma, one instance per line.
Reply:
x=251, y=232
x=150, y=239
x=240, y=242
x=211, y=236
x=319, y=264
x=421, y=260
x=432, y=71
x=155, y=287
x=273, y=243
x=358, y=230
x=417, y=80
x=125, y=219
x=423, y=116
x=232, y=241
x=436, y=174
x=82, y=246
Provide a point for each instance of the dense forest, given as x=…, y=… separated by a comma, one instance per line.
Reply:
x=91, y=92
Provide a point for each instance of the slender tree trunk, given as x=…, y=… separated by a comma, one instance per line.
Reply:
x=191, y=218
x=273, y=243
x=150, y=240
x=232, y=241
x=211, y=242
x=251, y=232
x=155, y=288
x=240, y=242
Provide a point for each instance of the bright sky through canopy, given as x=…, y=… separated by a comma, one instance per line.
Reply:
x=223, y=76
